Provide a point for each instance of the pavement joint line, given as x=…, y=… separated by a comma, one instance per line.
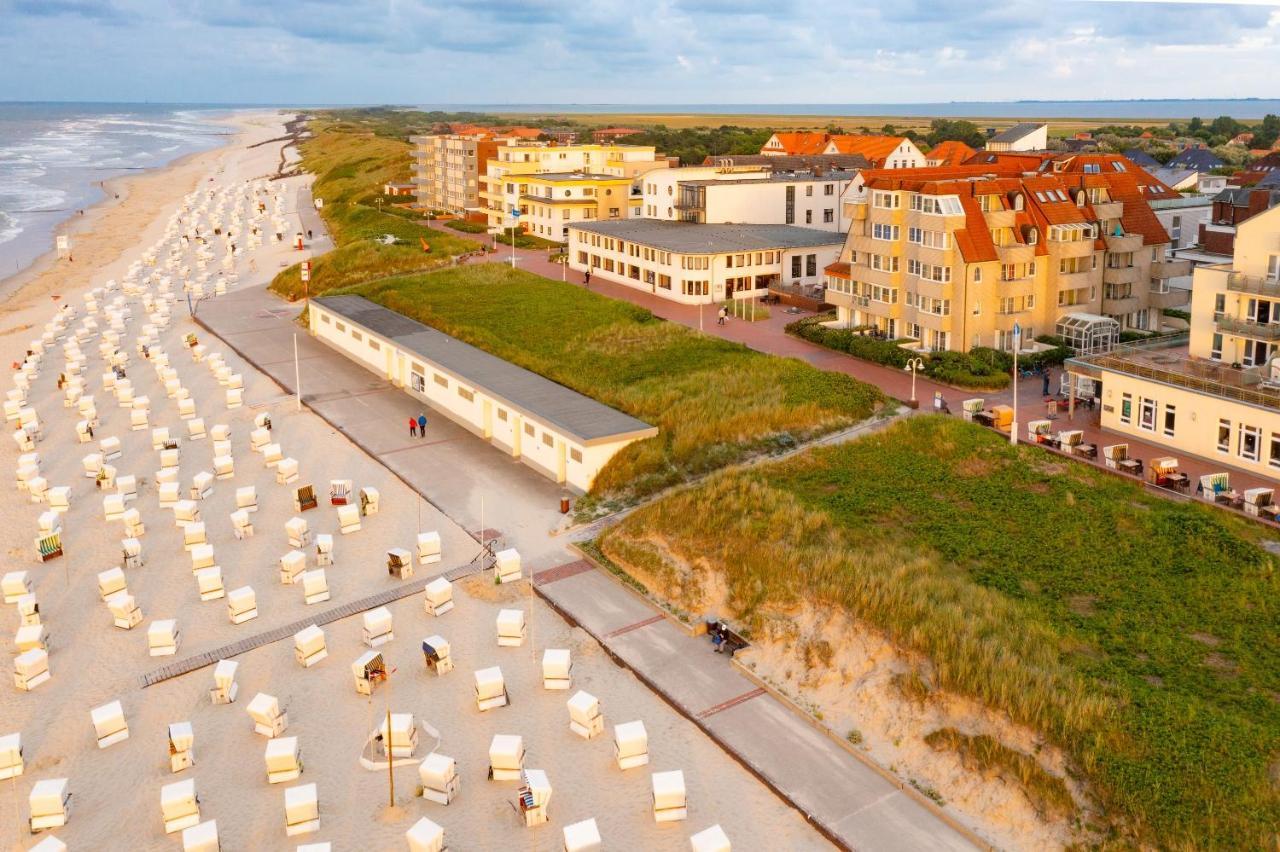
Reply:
x=621, y=631
x=732, y=702
x=417, y=446
x=249, y=643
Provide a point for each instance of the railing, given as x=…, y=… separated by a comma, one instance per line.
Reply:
x=1260, y=330
x=1203, y=382
x=1238, y=282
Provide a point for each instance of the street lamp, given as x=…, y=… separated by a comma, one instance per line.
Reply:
x=914, y=365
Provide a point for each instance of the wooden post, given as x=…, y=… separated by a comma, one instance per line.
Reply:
x=391, y=759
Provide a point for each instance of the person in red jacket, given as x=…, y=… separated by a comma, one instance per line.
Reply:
x=413, y=427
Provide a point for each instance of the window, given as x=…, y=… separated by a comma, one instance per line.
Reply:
x=808, y=216
x=1274, y=458
x=977, y=275
x=502, y=415
x=808, y=191
x=1175, y=230
x=829, y=189
x=374, y=345
x=885, y=232
x=811, y=265
x=575, y=455
x=885, y=200
x=355, y=335
x=548, y=439
x=324, y=318
x=1250, y=442
x=1216, y=348
x=1224, y=436
x=1126, y=408
x=1219, y=304
x=466, y=394
x=795, y=266
x=1147, y=414
x=1170, y=420
x=417, y=382
x=440, y=380
x=528, y=429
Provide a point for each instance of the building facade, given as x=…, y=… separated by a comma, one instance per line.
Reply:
x=702, y=264
x=552, y=202
x=1027, y=136
x=748, y=195
x=881, y=152
x=559, y=432
x=506, y=175
x=1215, y=393
x=954, y=260
x=448, y=167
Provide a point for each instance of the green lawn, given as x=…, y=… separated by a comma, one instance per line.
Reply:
x=714, y=402
x=1138, y=633
x=351, y=165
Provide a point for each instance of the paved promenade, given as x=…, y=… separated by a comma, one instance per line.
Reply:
x=851, y=802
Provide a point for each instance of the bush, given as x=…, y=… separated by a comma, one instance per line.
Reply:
x=466, y=227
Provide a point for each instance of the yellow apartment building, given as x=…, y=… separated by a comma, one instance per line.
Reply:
x=505, y=181
x=956, y=257
x=1214, y=393
x=552, y=202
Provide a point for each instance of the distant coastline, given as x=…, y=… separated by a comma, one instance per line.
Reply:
x=1149, y=110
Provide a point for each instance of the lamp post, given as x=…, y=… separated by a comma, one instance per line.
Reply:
x=914, y=365
x=515, y=221
x=1017, y=344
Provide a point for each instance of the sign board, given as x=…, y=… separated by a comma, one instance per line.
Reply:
x=319, y=202
x=64, y=242
x=1017, y=337
x=306, y=270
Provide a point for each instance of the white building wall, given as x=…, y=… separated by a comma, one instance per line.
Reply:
x=518, y=434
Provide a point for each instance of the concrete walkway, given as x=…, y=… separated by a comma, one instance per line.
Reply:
x=851, y=802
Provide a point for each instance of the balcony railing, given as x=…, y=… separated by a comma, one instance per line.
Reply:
x=1169, y=298
x=1248, y=328
x=1119, y=304
x=1000, y=218
x=1016, y=253
x=1124, y=243
x=1170, y=268
x=1070, y=248
x=1201, y=376
x=1120, y=275
x=1238, y=282
x=1105, y=210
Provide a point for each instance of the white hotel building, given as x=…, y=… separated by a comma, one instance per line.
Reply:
x=756, y=194
x=702, y=264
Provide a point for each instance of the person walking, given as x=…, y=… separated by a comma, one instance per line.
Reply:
x=1047, y=377
x=720, y=315
x=586, y=279
x=422, y=425
x=413, y=426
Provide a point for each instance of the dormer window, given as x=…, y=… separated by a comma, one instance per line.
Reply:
x=1018, y=201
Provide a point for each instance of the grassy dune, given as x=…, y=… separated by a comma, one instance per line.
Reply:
x=714, y=402
x=1137, y=633
x=351, y=165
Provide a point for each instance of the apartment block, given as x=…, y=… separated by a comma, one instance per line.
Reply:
x=955, y=258
x=748, y=194
x=1214, y=393
x=448, y=167
x=552, y=202
x=507, y=172
x=702, y=264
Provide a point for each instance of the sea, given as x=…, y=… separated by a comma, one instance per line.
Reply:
x=54, y=157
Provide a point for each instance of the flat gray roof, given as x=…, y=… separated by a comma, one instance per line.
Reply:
x=1018, y=131
x=578, y=416
x=693, y=238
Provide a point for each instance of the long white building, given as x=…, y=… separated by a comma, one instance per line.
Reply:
x=702, y=264
x=559, y=432
x=713, y=195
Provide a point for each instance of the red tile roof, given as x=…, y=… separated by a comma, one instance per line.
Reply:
x=949, y=153
x=875, y=148
x=839, y=269
x=798, y=143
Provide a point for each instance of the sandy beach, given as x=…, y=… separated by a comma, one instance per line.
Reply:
x=116, y=790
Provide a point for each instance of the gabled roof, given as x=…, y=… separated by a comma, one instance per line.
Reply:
x=949, y=153
x=1027, y=161
x=1017, y=132
x=798, y=143
x=1200, y=159
x=874, y=148
x=1174, y=178
x=1268, y=163
x=1142, y=158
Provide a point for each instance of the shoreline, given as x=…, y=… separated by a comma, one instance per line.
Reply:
x=107, y=229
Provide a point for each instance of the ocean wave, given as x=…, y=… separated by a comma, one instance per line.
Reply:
x=9, y=228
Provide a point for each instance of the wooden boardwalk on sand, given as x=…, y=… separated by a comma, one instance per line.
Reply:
x=226, y=652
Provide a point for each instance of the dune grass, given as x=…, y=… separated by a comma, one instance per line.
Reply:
x=986, y=755
x=714, y=402
x=351, y=165
x=1137, y=633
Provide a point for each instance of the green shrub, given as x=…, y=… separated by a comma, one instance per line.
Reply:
x=466, y=227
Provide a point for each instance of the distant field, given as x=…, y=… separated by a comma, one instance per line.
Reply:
x=1057, y=126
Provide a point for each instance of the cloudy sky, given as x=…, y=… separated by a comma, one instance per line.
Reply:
x=635, y=51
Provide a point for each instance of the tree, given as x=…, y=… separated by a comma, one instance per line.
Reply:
x=1195, y=126
x=1266, y=133
x=1225, y=125
x=889, y=130
x=946, y=130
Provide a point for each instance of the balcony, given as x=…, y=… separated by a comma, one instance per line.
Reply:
x=869, y=245
x=1168, y=298
x=1000, y=218
x=1121, y=275
x=1248, y=328
x=1238, y=282
x=1118, y=306
x=1170, y=268
x=1070, y=248
x=856, y=211
x=1124, y=244
x=1075, y=280
x=1105, y=210
x=1016, y=253
x=876, y=276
